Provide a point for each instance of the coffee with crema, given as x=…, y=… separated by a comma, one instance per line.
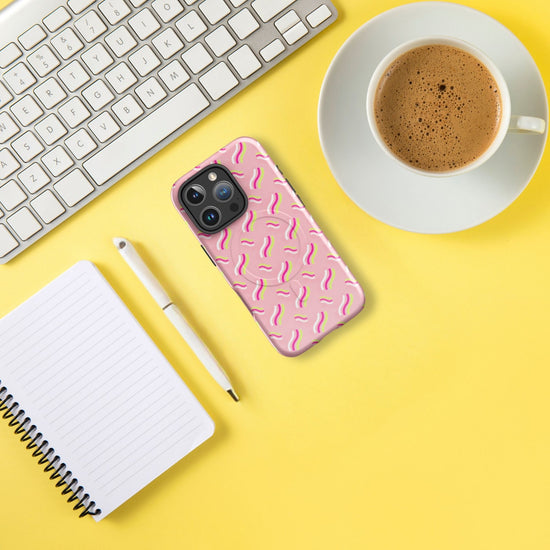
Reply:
x=437, y=108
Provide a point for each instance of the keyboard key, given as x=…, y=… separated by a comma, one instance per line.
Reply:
x=114, y=10
x=151, y=92
x=138, y=3
x=90, y=26
x=174, y=75
x=197, y=58
x=237, y=3
x=243, y=23
x=8, y=128
x=5, y=96
x=104, y=127
x=191, y=26
x=214, y=10
x=24, y=223
x=19, y=78
x=50, y=93
x=272, y=50
x=139, y=139
x=73, y=188
x=167, y=43
x=220, y=41
x=80, y=144
x=11, y=195
x=218, y=81
x=74, y=112
x=318, y=16
x=121, y=41
x=73, y=75
x=47, y=206
x=144, y=60
x=287, y=21
x=121, y=78
x=7, y=242
x=144, y=23
x=127, y=110
x=97, y=58
x=295, y=33
x=67, y=43
x=98, y=95
x=43, y=61
x=27, y=146
x=244, y=61
x=8, y=54
x=56, y=19
x=167, y=9
x=26, y=110
x=8, y=164
x=34, y=178
x=57, y=161
x=32, y=37
x=79, y=5
x=50, y=129
x=268, y=9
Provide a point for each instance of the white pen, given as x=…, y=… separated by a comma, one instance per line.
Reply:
x=138, y=266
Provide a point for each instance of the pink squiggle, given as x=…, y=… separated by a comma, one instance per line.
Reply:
x=247, y=243
x=223, y=239
x=257, y=296
x=290, y=249
x=301, y=297
x=290, y=229
x=314, y=232
x=309, y=253
x=257, y=310
x=308, y=275
x=275, y=335
x=254, y=199
x=222, y=260
x=273, y=224
x=345, y=304
x=283, y=292
x=350, y=282
x=294, y=340
x=273, y=203
x=265, y=248
x=239, y=285
x=248, y=221
x=319, y=322
x=326, y=279
x=279, y=182
x=298, y=207
x=283, y=274
x=263, y=157
x=333, y=257
x=207, y=236
x=238, y=174
x=326, y=300
x=276, y=315
x=265, y=267
x=301, y=318
x=240, y=265
x=256, y=178
x=238, y=151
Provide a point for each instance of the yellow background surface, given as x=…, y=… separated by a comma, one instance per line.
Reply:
x=422, y=425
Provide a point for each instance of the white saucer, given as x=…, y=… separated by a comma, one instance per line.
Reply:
x=391, y=193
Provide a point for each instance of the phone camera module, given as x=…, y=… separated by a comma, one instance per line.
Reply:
x=195, y=194
x=223, y=191
x=211, y=217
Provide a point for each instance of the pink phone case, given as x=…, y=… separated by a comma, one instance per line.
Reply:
x=275, y=256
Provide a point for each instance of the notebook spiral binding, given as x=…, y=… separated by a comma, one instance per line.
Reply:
x=23, y=425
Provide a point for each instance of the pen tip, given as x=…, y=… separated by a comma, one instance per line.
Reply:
x=119, y=243
x=233, y=395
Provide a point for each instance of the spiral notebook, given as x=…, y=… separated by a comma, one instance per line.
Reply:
x=91, y=395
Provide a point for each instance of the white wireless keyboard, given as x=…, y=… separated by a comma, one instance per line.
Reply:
x=89, y=89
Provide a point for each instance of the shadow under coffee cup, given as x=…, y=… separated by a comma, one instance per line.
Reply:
x=445, y=119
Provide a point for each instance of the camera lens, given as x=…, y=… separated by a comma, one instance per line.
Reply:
x=211, y=217
x=195, y=194
x=223, y=191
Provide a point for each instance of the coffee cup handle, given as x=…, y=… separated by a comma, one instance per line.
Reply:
x=526, y=125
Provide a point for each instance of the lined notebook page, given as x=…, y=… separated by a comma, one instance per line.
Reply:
x=97, y=387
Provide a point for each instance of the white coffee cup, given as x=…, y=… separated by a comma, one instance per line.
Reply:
x=508, y=122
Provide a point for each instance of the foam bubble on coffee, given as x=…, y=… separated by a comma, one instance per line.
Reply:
x=437, y=107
